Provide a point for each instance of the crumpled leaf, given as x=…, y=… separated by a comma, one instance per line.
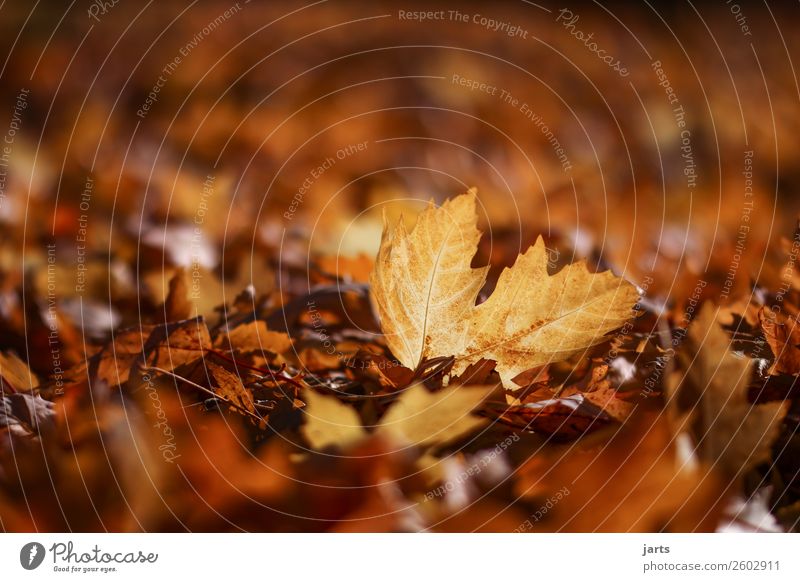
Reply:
x=710, y=400
x=559, y=418
x=783, y=338
x=175, y=344
x=255, y=337
x=230, y=387
x=115, y=359
x=425, y=291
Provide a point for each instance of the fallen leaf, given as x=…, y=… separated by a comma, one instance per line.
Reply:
x=423, y=286
x=423, y=418
x=177, y=305
x=315, y=360
x=710, y=400
x=230, y=387
x=418, y=417
x=26, y=414
x=255, y=337
x=608, y=400
x=174, y=344
x=532, y=318
x=115, y=359
x=560, y=418
x=783, y=337
x=424, y=291
x=15, y=372
x=330, y=422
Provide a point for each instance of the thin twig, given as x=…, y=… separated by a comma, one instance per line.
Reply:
x=204, y=390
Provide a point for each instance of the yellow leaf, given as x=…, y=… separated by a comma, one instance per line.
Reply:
x=425, y=291
x=423, y=286
x=532, y=318
x=423, y=418
x=418, y=418
x=330, y=422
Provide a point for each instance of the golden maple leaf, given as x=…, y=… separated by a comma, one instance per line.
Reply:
x=424, y=291
x=423, y=286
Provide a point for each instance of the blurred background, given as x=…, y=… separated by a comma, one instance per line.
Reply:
x=246, y=139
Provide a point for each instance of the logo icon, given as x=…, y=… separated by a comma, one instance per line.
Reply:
x=31, y=555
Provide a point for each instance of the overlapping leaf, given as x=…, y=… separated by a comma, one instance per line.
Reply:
x=425, y=292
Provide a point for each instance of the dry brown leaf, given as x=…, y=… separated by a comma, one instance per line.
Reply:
x=116, y=359
x=425, y=290
x=177, y=305
x=783, y=338
x=255, y=337
x=229, y=386
x=175, y=344
x=16, y=373
x=315, y=360
x=25, y=414
x=710, y=400
x=607, y=399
